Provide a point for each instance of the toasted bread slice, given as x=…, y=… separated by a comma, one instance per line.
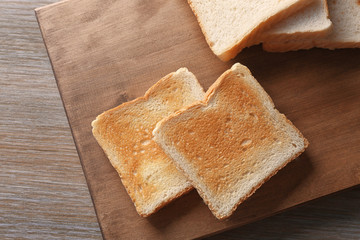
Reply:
x=125, y=134
x=232, y=142
x=345, y=33
x=310, y=22
x=231, y=25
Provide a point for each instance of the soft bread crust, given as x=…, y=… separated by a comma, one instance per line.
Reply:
x=231, y=25
x=125, y=134
x=344, y=14
x=229, y=144
x=310, y=22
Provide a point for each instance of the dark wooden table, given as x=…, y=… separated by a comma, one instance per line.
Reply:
x=43, y=193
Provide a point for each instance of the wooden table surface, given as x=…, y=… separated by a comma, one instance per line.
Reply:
x=43, y=193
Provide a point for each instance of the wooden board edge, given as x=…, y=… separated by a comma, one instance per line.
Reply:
x=37, y=12
x=42, y=8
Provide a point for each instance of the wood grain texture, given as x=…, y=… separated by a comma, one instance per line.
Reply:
x=43, y=194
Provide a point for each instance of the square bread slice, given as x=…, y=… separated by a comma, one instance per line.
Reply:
x=231, y=25
x=232, y=142
x=345, y=17
x=125, y=134
x=310, y=22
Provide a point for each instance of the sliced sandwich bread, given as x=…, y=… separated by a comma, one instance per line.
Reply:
x=310, y=22
x=232, y=142
x=125, y=134
x=344, y=14
x=231, y=25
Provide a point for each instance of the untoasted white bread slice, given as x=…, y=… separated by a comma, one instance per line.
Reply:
x=231, y=25
x=232, y=142
x=310, y=22
x=125, y=134
x=344, y=14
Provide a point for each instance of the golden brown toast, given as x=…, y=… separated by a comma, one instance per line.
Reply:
x=125, y=134
x=229, y=144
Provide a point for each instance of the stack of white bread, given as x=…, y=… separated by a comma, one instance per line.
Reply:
x=287, y=25
x=225, y=143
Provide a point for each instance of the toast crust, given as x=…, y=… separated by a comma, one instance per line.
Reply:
x=344, y=32
x=216, y=163
x=125, y=134
x=282, y=32
x=251, y=37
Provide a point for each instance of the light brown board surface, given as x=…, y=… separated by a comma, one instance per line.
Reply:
x=104, y=53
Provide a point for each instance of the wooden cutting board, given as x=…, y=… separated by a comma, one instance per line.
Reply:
x=106, y=52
